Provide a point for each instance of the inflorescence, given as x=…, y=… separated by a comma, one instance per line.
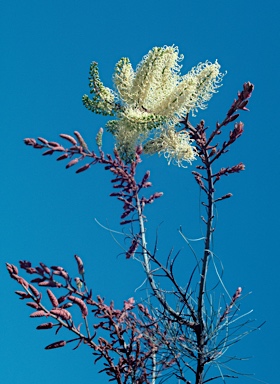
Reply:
x=149, y=103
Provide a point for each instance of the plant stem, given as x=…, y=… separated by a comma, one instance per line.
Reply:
x=147, y=266
x=200, y=332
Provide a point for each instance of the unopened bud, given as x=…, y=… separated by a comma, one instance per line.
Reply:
x=62, y=157
x=57, y=344
x=44, y=141
x=69, y=138
x=53, y=143
x=213, y=151
x=81, y=140
x=157, y=195
x=238, y=130
x=48, y=152
x=45, y=326
x=84, y=168
x=247, y=89
x=72, y=162
x=29, y=141
x=80, y=265
x=232, y=118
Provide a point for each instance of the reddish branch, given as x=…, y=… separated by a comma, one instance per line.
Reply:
x=209, y=152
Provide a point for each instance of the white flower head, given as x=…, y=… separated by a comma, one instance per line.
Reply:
x=156, y=76
x=154, y=97
x=208, y=78
x=176, y=146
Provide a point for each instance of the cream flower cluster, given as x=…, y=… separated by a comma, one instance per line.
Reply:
x=150, y=102
x=176, y=147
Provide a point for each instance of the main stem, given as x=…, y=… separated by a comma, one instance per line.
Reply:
x=147, y=269
x=200, y=332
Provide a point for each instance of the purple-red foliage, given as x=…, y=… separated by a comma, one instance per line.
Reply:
x=130, y=343
x=123, y=180
x=209, y=152
x=124, y=175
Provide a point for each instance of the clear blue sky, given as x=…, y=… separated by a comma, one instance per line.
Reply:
x=47, y=213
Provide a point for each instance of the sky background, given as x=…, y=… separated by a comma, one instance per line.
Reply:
x=48, y=213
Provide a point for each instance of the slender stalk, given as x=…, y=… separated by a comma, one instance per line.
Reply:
x=207, y=245
x=146, y=261
x=87, y=328
x=147, y=266
x=200, y=334
x=154, y=368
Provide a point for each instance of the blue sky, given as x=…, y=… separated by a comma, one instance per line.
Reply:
x=48, y=213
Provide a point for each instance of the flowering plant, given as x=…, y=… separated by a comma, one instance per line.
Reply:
x=178, y=332
x=150, y=102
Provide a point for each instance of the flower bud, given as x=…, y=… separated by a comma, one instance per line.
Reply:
x=84, y=168
x=62, y=157
x=45, y=326
x=29, y=141
x=69, y=138
x=72, y=162
x=57, y=344
x=80, y=265
x=44, y=141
